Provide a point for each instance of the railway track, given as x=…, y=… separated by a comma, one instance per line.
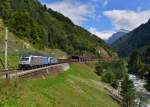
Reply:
x=12, y=73
x=20, y=73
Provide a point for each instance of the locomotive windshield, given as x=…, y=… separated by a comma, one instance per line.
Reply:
x=24, y=59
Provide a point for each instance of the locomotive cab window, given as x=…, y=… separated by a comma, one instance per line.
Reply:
x=25, y=59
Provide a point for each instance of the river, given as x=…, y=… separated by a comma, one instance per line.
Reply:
x=139, y=86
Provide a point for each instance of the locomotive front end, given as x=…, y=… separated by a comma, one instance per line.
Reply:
x=25, y=62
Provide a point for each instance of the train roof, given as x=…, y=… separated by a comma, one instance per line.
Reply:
x=33, y=56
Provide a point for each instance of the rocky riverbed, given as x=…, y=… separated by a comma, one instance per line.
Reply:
x=144, y=94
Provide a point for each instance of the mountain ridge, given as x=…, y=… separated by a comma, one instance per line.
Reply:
x=138, y=38
x=116, y=36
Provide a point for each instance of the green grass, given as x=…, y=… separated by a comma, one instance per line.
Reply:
x=77, y=87
x=13, y=61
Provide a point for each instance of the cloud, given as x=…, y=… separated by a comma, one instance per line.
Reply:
x=103, y=35
x=127, y=19
x=76, y=11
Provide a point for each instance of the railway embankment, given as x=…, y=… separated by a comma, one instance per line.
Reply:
x=79, y=86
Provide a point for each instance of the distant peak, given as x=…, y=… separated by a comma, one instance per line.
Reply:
x=123, y=30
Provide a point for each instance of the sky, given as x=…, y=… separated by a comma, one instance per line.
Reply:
x=103, y=17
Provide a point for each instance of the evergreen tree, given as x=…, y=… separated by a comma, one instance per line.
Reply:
x=128, y=92
x=134, y=63
x=45, y=7
x=147, y=70
x=147, y=55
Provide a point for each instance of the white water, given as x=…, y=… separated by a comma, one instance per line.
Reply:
x=139, y=86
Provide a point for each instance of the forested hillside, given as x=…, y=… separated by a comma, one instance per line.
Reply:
x=138, y=38
x=45, y=28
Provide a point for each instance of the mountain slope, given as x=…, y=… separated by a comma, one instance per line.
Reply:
x=116, y=36
x=18, y=47
x=42, y=27
x=138, y=38
x=77, y=87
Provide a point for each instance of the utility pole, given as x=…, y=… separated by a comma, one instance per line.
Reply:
x=6, y=40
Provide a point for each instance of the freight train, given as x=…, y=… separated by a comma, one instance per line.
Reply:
x=32, y=61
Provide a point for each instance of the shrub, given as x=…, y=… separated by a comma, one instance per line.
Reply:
x=99, y=70
x=108, y=77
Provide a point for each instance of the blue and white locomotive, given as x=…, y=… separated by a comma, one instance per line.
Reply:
x=31, y=61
